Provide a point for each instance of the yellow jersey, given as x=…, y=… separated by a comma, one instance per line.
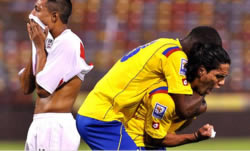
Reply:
x=155, y=115
x=117, y=95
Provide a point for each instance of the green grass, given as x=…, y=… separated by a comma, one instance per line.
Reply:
x=213, y=144
x=217, y=144
x=19, y=145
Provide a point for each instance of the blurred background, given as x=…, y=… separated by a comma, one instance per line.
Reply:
x=111, y=28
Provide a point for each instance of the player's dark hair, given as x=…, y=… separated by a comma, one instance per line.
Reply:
x=208, y=55
x=63, y=7
x=205, y=35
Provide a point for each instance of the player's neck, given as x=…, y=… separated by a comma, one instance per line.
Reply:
x=185, y=45
x=58, y=30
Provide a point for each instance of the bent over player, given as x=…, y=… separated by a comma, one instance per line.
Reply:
x=55, y=71
x=115, y=98
x=155, y=121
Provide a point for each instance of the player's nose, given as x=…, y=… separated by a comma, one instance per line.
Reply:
x=220, y=83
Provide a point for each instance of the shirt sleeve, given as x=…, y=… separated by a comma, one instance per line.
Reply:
x=62, y=64
x=159, y=116
x=173, y=66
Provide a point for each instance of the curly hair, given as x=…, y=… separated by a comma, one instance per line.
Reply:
x=208, y=55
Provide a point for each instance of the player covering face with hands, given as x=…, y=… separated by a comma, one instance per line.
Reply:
x=55, y=72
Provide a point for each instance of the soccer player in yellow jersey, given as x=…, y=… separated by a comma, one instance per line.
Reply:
x=116, y=97
x=155, y=121
x=156, y=117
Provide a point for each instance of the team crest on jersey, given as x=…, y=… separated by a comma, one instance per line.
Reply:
x=156, y=125
x=159, y=111
x=183, y=70
x=49, y=43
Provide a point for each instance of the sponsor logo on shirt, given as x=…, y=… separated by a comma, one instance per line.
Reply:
x=159, y=111
x=185, y=82
x=156, y=125
x=183, y=70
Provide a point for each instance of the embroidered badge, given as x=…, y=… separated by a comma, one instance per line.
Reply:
x=183, y=70
x=156, y=125
x=159, y=111
x=48, y=43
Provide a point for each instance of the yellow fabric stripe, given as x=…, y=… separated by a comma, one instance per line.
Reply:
x=120, y=138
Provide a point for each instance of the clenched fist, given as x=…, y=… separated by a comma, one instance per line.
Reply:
x=204, y=132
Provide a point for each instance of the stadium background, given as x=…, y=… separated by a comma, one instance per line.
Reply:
x=111, y=28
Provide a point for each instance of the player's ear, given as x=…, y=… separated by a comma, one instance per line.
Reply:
x=55, y=16
x=201, y=71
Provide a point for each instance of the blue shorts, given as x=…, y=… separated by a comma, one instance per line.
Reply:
x=100, y=135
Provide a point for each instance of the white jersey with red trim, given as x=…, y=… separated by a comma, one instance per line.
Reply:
x=65, y=60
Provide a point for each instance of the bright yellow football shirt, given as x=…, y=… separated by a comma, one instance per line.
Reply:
x=117, y=95
x=156, y=116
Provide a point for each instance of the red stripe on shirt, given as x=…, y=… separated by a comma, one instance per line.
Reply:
x=159, y=91
x=60, y=83
x=82, y=52
x=172, y=51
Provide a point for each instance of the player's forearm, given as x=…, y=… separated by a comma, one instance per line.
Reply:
x=203, y=133
x=172, y=140
x=187, y=106
x=41, y=61
x=27, y=79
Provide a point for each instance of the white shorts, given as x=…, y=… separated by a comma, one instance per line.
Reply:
x=53, y=132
